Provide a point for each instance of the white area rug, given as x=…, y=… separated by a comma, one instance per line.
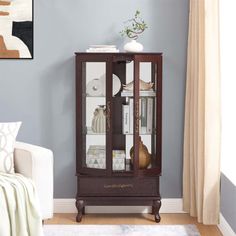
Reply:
x=121, y=230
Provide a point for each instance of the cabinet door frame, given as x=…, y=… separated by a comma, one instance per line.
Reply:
x=153, y=59
x=81, y=169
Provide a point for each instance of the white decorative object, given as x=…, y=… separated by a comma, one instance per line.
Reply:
x=133, y=46
x=99, y=120
x=96, y=158
x=118, y=160
x=133, y=28
x=102, y=48
x=8, y=133
x=116, y=84
x=95, y=88
x=143, y=86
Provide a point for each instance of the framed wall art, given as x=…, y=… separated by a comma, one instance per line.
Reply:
x=16, y=29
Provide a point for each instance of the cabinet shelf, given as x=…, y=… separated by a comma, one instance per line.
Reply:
x=122, y=96
x=90, y=132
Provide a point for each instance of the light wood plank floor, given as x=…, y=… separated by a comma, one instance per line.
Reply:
x=145, y=219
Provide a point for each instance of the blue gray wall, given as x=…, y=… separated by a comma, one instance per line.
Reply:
x=41, y=92
x=228, y=201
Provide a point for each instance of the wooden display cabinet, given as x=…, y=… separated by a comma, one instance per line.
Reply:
x=100, y=180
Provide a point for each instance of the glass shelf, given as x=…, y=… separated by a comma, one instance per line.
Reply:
x=90, y=132
x=141, y=94
x=153, y=95
x=89, y=96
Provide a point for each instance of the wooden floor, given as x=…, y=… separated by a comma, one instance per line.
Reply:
x=145, y=219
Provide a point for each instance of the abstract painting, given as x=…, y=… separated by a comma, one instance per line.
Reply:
x=16, y=29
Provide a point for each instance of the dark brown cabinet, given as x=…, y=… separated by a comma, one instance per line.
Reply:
x=118, y=130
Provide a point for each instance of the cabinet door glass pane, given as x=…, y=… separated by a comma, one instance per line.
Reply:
x=147, y=115
x=94, y=118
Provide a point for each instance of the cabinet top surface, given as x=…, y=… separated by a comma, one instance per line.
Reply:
x=119, y=53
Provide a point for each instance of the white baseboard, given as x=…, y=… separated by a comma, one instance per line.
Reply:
x=169, y=205
x=225, y=228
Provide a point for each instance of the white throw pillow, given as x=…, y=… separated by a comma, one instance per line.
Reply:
x=8, y=133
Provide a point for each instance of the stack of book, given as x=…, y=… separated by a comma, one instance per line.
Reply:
x=146, y=107
x=102, y=48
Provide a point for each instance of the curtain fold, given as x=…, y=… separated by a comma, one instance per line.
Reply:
x=201, y=161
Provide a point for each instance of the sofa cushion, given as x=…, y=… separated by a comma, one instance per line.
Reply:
x=8, y=133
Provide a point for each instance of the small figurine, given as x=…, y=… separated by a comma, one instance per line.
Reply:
x=144, y=86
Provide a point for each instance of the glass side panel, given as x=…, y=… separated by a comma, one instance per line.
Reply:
x=94, y=115
x=147, y=115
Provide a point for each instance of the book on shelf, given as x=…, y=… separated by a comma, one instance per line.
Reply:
x=125, y=119
x=140, y=114
x=149, y=115
x=143, y=116
x=131, y=115
x=142, y=93
x=146, y=116
x=102, y=48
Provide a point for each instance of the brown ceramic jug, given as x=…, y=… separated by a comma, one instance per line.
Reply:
x=144, y=155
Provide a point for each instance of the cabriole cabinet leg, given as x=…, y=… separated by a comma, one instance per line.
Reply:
x=80, y=209
x=156, y=207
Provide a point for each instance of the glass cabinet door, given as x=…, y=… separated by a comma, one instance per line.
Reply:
x=120, y=114
x=148, y=115
x=136, y=117
x=93, y=120
x=122, y=118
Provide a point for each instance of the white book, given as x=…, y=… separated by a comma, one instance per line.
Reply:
x=126, y=119
x=131, y=115
x=143, y=115
x=149, y=115
x=102, y=50
x=140, y=115
x=102, y=46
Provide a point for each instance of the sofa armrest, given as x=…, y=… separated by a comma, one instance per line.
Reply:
x=36, y=163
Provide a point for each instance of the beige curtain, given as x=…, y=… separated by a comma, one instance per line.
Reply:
x=201, y=167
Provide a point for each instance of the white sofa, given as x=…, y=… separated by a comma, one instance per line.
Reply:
x=37, y=163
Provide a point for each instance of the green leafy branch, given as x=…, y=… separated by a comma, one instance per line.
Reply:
x=135, y=28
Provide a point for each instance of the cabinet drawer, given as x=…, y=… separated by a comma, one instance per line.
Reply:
x=119, y=186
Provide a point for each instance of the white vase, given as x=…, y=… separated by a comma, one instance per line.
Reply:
x=99, y=120
x=133, y=46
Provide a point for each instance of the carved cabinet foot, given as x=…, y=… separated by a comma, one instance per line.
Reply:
x=156, y=207
x=152, y=212
x=80, y=209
